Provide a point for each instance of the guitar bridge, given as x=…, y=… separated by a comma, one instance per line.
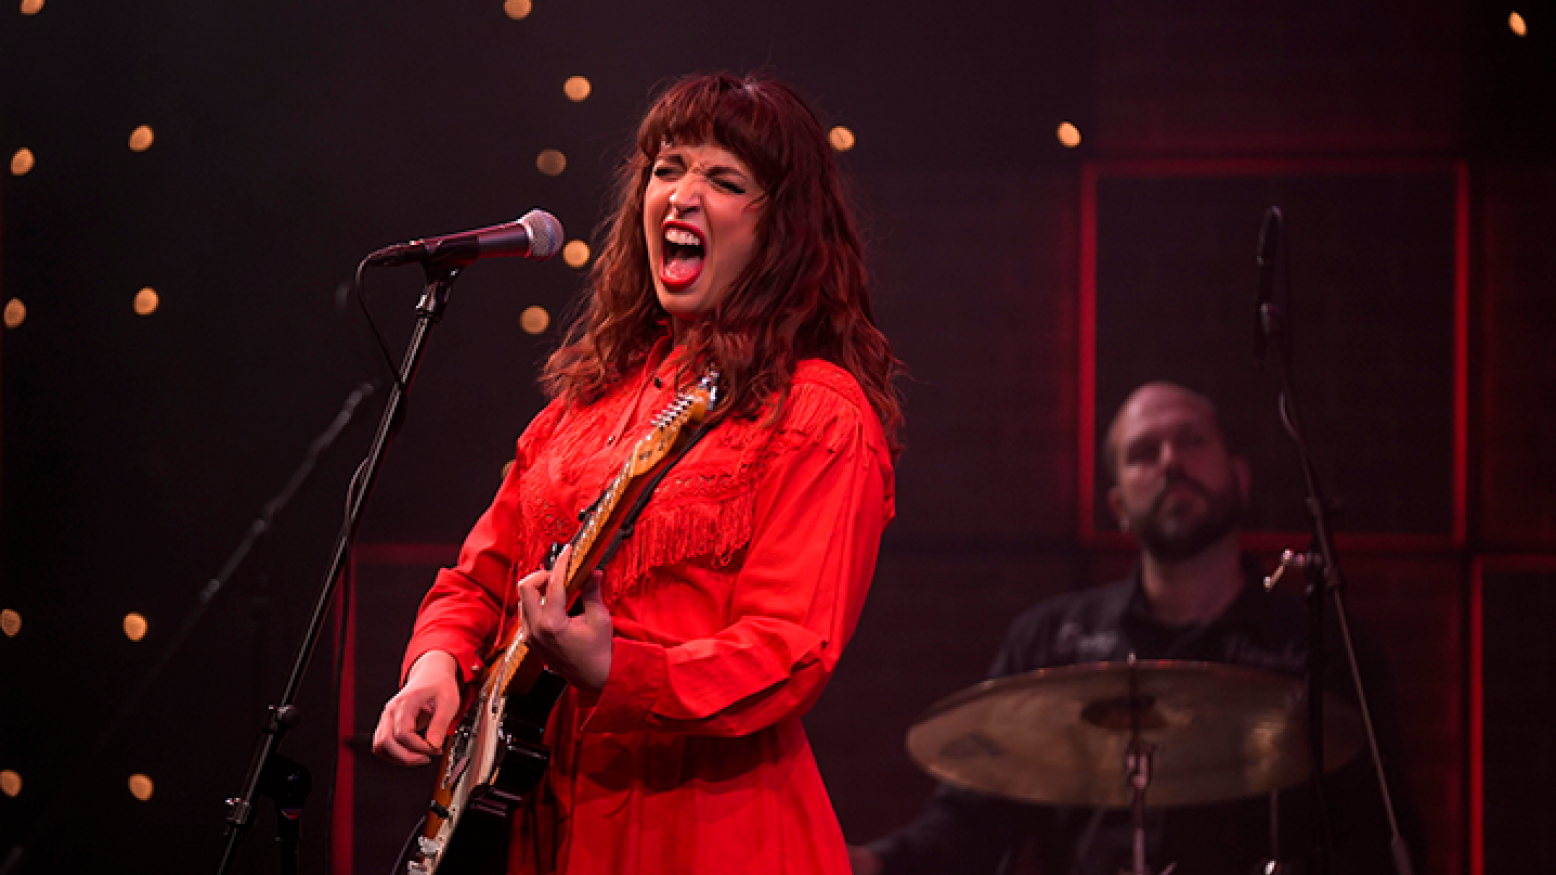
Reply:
x=427, y=851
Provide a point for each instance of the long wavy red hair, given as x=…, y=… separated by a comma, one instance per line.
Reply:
x=804, y=294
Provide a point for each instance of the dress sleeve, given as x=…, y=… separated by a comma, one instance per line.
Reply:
x=820, y=506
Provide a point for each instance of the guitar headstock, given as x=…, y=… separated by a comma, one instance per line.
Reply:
x=689, y=408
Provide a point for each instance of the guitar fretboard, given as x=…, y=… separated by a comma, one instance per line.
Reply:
x=646, y=454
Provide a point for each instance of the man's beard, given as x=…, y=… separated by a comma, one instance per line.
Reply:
x=1174, y=539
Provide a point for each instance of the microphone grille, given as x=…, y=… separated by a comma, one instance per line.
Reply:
x=545, y=234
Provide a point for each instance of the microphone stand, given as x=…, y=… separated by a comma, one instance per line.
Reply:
x=1321, y=570
x=268, y=769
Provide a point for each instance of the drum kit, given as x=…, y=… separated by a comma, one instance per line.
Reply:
x=1106, y=735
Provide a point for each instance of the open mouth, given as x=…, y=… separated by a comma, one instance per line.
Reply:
x=683, y=254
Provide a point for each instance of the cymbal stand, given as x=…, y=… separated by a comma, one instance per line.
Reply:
x=1137, y=772
x=1137, y=769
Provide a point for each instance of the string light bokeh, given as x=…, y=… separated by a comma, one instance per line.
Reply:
x=189, y=193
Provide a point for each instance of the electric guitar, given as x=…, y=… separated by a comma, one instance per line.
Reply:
x=497, y=754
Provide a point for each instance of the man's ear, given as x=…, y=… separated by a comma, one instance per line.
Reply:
x=1116, y=505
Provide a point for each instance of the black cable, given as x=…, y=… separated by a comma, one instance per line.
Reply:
x=360, y=288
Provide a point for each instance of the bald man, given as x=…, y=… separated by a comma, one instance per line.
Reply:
x=1181, y=491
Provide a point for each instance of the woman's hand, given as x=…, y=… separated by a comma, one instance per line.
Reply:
x=577, y=648
x=411, y=729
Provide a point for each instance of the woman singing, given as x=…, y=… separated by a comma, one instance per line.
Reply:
x=677, y=747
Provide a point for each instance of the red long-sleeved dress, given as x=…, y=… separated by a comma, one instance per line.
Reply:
x=732, y=601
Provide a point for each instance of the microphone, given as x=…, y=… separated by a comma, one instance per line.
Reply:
x=537, y=234
x=1264, y=323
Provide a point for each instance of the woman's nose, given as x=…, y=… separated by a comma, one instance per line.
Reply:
x=687, y=193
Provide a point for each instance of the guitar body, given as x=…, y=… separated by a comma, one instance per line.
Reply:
x=497, y=754
x=495, y=758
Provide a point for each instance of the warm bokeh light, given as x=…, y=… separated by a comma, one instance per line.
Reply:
x=10, y=783
x=15, y=313
x=1069, y=135
x=506, y=467
x=1516, y=24
x=534, y=320
x=141, y=787
x=841, y=138
x=147, y=301
x=517, y=9
x=576, y=253
x=22, y=162
x=551, y=162
x=134, y=626
x=10, y=623
x=141, y=138
x=32, y=7
x=577, y=88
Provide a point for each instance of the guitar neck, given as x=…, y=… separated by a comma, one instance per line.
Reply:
x=652, y=454
x=594, y=530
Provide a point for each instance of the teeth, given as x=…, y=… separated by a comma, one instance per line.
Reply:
x=682, y=237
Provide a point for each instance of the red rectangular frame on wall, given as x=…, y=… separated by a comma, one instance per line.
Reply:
x=1087, y=435
x=1450, y=546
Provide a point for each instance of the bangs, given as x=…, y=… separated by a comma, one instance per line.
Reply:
x=747, y=117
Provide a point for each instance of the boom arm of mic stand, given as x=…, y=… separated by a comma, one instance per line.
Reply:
x=440, y=280
x=1330, y=581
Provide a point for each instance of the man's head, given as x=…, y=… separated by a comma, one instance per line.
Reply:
x=1176, y=485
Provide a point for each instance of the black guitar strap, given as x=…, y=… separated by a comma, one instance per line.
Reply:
x=631, y=518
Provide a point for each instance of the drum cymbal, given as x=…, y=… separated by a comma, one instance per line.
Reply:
x=1059, y=735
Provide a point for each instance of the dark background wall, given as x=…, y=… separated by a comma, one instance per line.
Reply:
x=1026, y=285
